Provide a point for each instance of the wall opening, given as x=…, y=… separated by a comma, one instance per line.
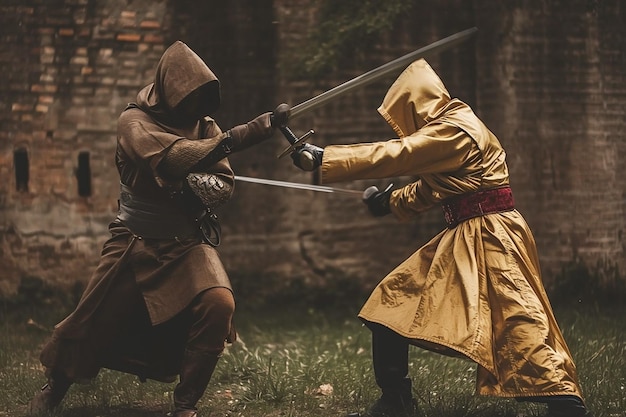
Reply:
x=22, y=169
x=83, y=175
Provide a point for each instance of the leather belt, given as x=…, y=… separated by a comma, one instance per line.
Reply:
x=153, y=219
x=467, y=206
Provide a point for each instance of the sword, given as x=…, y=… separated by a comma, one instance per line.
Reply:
x=300, y=186
x=367, y=78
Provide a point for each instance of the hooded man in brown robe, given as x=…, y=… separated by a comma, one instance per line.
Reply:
x=475, y=289
x=160, y=303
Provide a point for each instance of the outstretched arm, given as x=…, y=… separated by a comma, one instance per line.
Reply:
x=186, y=155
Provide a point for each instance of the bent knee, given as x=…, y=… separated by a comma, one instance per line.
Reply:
x=217, y=303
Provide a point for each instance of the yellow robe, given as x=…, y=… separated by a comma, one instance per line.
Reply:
x=474, y=290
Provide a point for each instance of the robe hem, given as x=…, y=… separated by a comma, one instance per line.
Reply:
x=473, y=358
x=434, y=341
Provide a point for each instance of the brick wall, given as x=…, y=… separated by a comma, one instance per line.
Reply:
x=553, y=87
x=553, y=93
x=71, y=68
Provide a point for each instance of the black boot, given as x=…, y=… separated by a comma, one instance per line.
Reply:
x=390, y=354
x=396, y=403
x=567, y=406
x=195, y=374
x=50, y=395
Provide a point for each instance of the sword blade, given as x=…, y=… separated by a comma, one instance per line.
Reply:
x=299, y=186
x=380, y=72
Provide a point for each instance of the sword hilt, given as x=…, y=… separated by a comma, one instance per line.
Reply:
x=293, y=140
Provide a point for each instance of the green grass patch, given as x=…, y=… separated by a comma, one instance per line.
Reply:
x=294, y=361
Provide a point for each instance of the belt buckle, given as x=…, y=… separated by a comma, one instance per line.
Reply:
x=448, y=215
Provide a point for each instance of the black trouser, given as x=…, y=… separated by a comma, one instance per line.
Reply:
x=390, y=355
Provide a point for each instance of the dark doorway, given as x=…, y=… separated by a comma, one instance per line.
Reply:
x=22, y=168
x=83, y=175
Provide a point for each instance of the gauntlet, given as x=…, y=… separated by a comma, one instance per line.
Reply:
x=209, y=189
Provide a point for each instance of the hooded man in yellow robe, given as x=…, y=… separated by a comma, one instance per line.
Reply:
x=475, y=290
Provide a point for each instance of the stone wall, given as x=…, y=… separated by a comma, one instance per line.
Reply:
x=553, y=92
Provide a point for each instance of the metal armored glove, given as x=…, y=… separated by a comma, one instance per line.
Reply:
x=209, y=189
x=307, y=157
x=377, y=201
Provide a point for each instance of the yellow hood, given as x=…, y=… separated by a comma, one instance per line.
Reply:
x=414, y=99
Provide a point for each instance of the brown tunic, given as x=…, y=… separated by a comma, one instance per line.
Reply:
x=126, y=317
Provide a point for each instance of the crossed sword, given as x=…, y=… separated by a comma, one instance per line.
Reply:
x=344, y=88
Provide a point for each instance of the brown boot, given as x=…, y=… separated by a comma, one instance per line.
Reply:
x=50, y=395
x=195, y=374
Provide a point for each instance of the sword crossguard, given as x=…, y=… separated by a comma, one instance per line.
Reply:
x=293, y=140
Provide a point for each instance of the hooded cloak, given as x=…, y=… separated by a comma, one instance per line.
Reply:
x=474, y=290
x=150, y=280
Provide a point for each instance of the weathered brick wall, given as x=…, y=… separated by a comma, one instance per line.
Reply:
x=553, y=93
x=71, y=68
x=552, y=85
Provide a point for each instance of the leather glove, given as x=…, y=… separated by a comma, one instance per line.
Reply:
x=249, y=134
x=307, y=157
x=259, y=129
x=377, y=201
x=280, y=115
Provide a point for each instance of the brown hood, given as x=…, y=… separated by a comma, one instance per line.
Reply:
x=179, y=72
x=414, y=99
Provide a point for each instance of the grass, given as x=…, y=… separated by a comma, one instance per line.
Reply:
x=299, y=362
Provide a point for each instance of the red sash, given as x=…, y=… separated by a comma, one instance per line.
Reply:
x=466, y=206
